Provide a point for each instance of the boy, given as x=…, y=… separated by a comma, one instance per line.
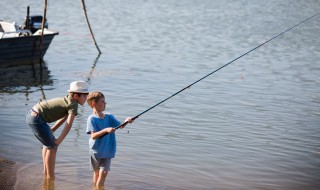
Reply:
x=102, y=142
x=59, y=110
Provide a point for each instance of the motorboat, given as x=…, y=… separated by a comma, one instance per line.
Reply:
x=21, y=44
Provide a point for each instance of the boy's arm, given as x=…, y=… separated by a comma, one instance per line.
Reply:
x=95, y=135
x=58, y=123
x=128, y=120
x=66, y=129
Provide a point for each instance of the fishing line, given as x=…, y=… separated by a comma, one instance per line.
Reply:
x=187, y=87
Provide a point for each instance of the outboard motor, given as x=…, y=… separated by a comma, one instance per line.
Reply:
x=33, y=23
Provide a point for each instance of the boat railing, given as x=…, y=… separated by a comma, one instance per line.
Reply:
x=13, y=34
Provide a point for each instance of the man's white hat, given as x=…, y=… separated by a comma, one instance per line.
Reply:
x=79, y=87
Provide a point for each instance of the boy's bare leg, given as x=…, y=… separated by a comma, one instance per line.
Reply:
x=101, y=179
x=50, y=161
x=95, y=177
x=44, y=151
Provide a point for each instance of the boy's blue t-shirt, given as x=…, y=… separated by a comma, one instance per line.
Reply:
x=105, y=146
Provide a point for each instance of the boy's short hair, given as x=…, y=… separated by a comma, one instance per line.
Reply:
x=94, y=97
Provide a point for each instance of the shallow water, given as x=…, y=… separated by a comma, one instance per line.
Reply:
x=252, y=125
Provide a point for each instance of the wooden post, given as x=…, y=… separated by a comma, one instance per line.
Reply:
x=85, y=14
x=42, y=29
x=27, y=19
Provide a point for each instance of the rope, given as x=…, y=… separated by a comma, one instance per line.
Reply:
x=87, y=20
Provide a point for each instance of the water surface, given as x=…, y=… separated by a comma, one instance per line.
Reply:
x=252, y=125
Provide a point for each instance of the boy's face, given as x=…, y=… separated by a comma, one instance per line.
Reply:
x=101, y=104
x=82, y=98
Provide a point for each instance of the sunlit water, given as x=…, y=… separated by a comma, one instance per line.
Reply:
x=252, y=125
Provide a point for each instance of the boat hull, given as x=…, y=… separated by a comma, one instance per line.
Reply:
x=23, y=50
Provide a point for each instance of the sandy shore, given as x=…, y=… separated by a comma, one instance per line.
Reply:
x=7, y=174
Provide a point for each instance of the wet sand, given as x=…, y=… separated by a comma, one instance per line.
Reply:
x=22, y=176
x=7, y=174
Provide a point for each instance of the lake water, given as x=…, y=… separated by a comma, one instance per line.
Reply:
x=252, y=125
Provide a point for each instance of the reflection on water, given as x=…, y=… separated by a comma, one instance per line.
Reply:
x=93, y=68
x=78, y=128
x=20, y=78
x=47, y=184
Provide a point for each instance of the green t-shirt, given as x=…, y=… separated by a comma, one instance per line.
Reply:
x=57, y=108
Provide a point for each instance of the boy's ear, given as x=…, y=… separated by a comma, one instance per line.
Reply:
x=93, y=104
x=75, y=96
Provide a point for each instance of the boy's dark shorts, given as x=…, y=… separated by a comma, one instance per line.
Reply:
x=41, y=129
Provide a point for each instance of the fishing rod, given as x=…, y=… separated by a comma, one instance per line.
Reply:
x=187, y=87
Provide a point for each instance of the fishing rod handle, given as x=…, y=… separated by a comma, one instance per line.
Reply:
x=122, y=124
x=125, y=123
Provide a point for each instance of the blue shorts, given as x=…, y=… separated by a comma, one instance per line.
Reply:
x=41, y=130
x=100, y=163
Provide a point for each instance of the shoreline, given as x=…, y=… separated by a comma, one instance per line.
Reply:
x=7, y=174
